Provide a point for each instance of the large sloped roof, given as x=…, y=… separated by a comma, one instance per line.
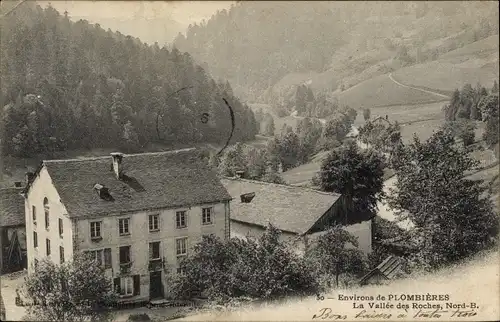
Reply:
x=11, y=207
x=289, y=208
x=150, y=181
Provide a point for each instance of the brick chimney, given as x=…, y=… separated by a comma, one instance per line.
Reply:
x=117, y=163
x=239, y=174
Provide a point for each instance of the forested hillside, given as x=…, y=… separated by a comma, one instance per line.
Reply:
x=72, y=85
x=256, y=43
x=330, y=46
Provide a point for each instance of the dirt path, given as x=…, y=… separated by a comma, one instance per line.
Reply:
x=416, y=88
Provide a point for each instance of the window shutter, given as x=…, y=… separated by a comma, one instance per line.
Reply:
x=107, y=258
x=116, y=281
x=150, y=250
x=137, y=284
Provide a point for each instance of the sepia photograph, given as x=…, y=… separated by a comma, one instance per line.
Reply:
x=249, y=161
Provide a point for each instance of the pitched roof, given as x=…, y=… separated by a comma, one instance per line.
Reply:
x=388, y=269
x=289, y=208
x=150, y=181
x=11, y=207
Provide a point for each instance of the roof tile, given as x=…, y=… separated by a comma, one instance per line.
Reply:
x=11, y=207
x=151, y=181
x=289, y=208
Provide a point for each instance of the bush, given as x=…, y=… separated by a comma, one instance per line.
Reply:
x=263, y=268
x=385, y=229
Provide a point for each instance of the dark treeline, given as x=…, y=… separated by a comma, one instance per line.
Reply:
x=302, y=100
x=71, y=85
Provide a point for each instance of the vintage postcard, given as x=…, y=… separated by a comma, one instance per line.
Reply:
x=249, y=161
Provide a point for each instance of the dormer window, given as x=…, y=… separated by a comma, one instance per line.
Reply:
x=103, y=192
x=247, y=197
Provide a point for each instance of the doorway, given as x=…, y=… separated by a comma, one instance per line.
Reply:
x=155, y=285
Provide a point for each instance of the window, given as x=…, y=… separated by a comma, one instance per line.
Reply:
x=154, y=223
x=33, y=214
x=180, y=270
x=206, y=215
x=180, y=219
x=154, y=250
x=35, y=239
x=97, y=255
x=102, y=256
x=126, y=285
x=61, y=254
x=124, y=254
x=181, y=246
x=123, y=225
x=47, y=244
x=60, y=227
x=35, y=263
x=46, y=210
x=95, y=229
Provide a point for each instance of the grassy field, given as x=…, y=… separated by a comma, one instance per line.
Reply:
x=477, y=62
x=302, y=175
x=382, y=91
x=405, y=113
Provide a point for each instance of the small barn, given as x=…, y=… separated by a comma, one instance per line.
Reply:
x=12, y=230
x=301, y=214
x=385, y=271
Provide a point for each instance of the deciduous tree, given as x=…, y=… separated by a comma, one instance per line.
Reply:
x=232, y=160
x=335, y=252
x=366, y=114
x=356, y=174
x=453, y=216
x=73, y=291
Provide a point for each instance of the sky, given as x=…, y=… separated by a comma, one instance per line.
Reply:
x=113, y=14
x=182, y=11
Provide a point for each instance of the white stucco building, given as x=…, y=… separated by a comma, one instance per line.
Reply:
x=137, y=214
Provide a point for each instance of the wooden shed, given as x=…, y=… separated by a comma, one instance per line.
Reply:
x=385, y=271
x=12, y=230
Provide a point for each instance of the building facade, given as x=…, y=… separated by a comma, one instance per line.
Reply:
x=138, y=215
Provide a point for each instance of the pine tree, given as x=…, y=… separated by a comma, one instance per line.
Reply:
x=494, y=89
x=489, y=110
x=69, y=65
